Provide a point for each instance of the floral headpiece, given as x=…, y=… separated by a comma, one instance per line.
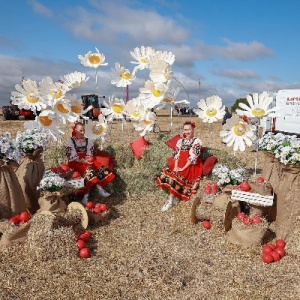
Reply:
x=193, y=124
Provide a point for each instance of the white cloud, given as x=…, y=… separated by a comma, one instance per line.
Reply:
x=40, y=9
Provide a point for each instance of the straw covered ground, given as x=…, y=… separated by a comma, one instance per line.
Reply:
x=142, y=253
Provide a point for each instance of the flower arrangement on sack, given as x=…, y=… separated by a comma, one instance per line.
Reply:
x=8, y=149
x=51, y=182
x=226, y=176
x=285, y=147
x=31, y=139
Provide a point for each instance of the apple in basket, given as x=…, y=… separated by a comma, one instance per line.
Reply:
x=24, y=216
x=76, y=175
x=89, y=205
x=207, y=189
x=80, y=244
x=245, y=186
x=15, y=219
x=280, y=243
x=260, y=179
x=240, y=216
x=85, y=236
x=256, y=219
x=64, y=167
x=215, y=187
x=247, y=221
x=102, y=207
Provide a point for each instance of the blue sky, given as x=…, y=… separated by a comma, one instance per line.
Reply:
x=233, y=47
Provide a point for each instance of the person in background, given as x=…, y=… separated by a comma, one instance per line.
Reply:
x=79, y=151
x=255, y=121
x=227, y=115
x=181, y=177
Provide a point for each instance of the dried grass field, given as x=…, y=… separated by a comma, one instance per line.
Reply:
x=143, y=253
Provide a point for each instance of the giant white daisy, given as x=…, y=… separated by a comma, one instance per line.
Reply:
x=63, y=110
x=96, y=129
x=93, y=60
x=121, y=77
x=160, y=71
x=75, y=80
x=211, y=110
x=114, y=109
x=258, y=106
x=52, y=91
x=236, y=132
x=27, y=96
x=165, y=56
x=134, y=109
x=146, y=124
x=142, y=57
x=46, y=121
x=152, y=93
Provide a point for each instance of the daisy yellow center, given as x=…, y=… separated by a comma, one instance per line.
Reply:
x=156, y=93
x=168, y=100
x=147, y=122
x=258, y=112
x=76, y=109
x=117, y=108
x=45, y=121
x=211, y=112
x=126, y=75
x=94, y=59
x=32, y=99
x=56, y=94
x=61, y=108
x=135, y=114
x=239, y=129
x=144, y=60
x=98, y=129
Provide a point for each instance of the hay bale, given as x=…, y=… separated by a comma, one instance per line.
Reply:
x=46, y=242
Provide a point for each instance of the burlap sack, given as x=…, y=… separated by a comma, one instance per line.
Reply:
x=221, y=201
x=247, y=236
x=52, y=201
x=19, y=235
x=288, y=201
x=12, y=200
x=271, y=170
x=30, y=172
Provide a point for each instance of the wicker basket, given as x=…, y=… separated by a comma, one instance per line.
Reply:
x=252, y=198
x=95, y=218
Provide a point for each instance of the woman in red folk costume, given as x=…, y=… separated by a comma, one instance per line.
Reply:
x=182, y=175
x=79, y=151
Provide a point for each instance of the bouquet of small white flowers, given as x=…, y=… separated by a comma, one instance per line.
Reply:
x=8, y=149
x=270, y=141
x=31, y=139
x=226, y=176
x=285, y=147
x=51, y=182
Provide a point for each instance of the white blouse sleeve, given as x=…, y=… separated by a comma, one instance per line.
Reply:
x=90, y=148
x=177, y=151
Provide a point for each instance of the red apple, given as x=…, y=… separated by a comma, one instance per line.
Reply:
x=207, y=189
x=97, y=210
x=80, y=244
x=24, y=216
x=103, y=207
x=245, y=186
x=256, y=219
x=271, y=246
x=260, y=180
x=267, y=258
x=84, y=253
x=275, y=254
x=280, y=251
x=76, y=175
x=89, y=205
x=240, y=216
x=206, y=224
x=15, y=219
x=280, y=243
x=266, y=249
x=247, y=221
